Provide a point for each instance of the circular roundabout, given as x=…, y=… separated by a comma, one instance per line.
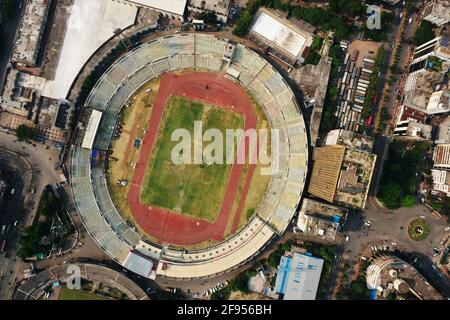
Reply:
x=192, y=220
x=418, y=229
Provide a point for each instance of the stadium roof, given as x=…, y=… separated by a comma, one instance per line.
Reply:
x=138, y=264
x=279, y=33
x=94, y=122
x=173, y=6
x=298, y=277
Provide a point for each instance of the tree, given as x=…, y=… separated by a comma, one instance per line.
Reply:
x=424, y=33
x=390, y=194
x=24, y=132
x=408, y=201
x=209, y=17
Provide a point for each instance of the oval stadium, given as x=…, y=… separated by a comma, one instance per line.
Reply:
x=158, y=219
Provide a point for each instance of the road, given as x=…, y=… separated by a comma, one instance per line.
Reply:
x=20, y=177
x=34, y=167
x=389, y=228
x=9, y=34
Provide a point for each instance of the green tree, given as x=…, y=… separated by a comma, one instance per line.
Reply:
x=408, y=201
x=209, y=17
x=390, y=194
x=424, y=33
x=24, y=132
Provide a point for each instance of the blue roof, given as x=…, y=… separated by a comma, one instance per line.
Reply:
x=282, y=275
x=298, y=277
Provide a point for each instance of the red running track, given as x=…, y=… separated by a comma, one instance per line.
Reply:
x=171, y=227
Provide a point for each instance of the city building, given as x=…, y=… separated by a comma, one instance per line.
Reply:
x=413, y=130
x=327, y=163
x=439, y=47
x=298, y=277
x=174, y=9
x=441, y=156
x=220, y=7
x=441, y=182
x=388, y=275
x=426, y=89
x=443, y=132
x=320, y=220
x=342, y=174
x=349, y=139
x=405, y=113
x=280, y=37
x=437, y=12
x=30, y=33
x=313, y=81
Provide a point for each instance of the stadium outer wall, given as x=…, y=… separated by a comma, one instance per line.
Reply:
x=202, y=52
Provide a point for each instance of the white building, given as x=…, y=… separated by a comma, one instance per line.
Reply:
x=439, y=47
x=441, y=181
x=91, y=130
x=280, y=34
x=220, y=7
x=437, y=12
x=298, y=277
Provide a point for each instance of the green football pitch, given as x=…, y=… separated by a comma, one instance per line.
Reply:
x=192, y=189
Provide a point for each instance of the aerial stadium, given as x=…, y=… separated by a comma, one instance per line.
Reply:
x=186, y=221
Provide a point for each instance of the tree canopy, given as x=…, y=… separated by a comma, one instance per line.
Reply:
x=24, y=132
x=424, y=33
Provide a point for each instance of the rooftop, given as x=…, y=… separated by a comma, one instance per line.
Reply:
x=220, y=7
x=356, y=175
x=325, y=172
x=172, y=6
x=441, y=156
x=443, y=132
x=313, y=80
x=321, y=220
x=80, y=42
x=298, y=277
x=437, y=11
x=426, y=91
x=414, y=129
x=30, y=32
x=280, y=33
x=390, y=274
x=441, y=181
x=349, y=139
